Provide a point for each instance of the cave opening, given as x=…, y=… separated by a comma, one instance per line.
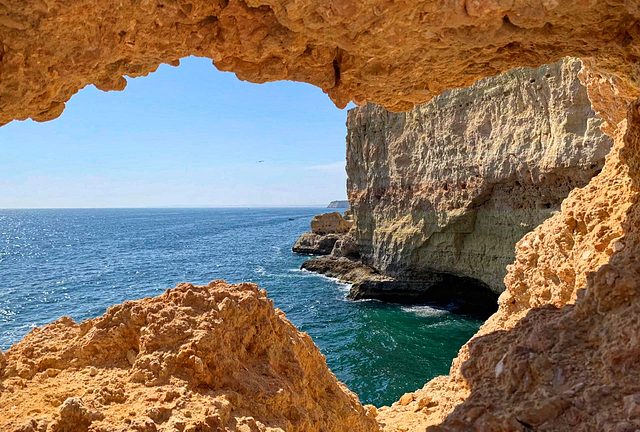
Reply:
x=458, y=294
x=127, y=180
x=576, y=348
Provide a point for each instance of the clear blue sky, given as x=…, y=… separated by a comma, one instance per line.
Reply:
x=185, y=136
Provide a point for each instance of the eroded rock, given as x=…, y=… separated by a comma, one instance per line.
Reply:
x=327, y=229
x=560, y=354
x=330, y=223
x=452, y=185
x=215, y=357
x=315, y=244
x=395, y=53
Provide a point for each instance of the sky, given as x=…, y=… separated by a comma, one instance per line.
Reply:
x=182, y=136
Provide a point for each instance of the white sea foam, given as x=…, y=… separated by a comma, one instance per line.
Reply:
x=260, y=270
x=424, y=311
x=343, y=285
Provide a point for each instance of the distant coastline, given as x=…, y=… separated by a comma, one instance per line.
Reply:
x=343, y=204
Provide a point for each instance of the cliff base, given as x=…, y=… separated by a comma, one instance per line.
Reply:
x=460, y=295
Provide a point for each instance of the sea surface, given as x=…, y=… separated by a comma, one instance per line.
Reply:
x=79, y=262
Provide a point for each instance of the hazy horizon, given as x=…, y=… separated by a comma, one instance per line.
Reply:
x=189, y=136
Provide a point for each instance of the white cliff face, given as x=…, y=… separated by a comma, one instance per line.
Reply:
x=452, y=185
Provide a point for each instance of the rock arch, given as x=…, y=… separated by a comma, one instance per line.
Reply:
x=555, y=355
x=395, y=53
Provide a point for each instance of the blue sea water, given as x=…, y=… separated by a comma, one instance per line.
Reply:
x=79, y=262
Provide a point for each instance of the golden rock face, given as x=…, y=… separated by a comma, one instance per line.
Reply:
x=452, y=185
x=395, y=53
x=196, y=358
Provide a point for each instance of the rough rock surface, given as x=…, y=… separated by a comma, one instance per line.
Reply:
x=328, y=234
x=561, y=353
x=315, y=244
x=345, y=269
x=196, y=358
x=452, y=185
x=330, y=223
x=461, y=295
x=396, y=53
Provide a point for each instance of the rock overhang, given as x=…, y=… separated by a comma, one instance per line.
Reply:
x=395, y=53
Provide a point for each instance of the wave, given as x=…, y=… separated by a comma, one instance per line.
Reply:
x=424, y=311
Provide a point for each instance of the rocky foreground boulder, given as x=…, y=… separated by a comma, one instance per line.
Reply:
x=196, y=358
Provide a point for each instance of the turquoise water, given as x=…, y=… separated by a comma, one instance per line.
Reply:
x=79, y=262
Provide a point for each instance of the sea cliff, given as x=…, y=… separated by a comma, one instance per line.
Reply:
x=451, y=186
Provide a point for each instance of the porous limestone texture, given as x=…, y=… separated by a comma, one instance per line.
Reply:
x=330, y=223
x=327, y=230
x=196, y=358
x=393, y=52
x=452, y=185
x=561, y=353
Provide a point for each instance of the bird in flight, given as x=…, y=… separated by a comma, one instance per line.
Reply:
x=260, y=161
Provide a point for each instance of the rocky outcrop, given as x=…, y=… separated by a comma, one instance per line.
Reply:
x=333, y=236
x=343, y=268
x=315, y=244
x=327, y=229
x=460, y=295
x=330, y=223
x=561, y=353
x=450, y=187
x=196, y=358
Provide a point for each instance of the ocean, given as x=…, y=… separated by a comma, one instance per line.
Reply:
x=78, y=262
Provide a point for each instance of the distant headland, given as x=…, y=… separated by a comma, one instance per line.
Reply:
x=338, y=204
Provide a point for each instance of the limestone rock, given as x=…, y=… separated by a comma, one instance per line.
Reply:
x=330, y=223
x=3, y=363
x=346, y=246
x=457, y=294
x=345, y=269
x=573, y=336
x=561, y=352
x=315, y=244
x=453, y=184
x=396, y=53
x=216, y=357
x=74, y=416
x=327, y=231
